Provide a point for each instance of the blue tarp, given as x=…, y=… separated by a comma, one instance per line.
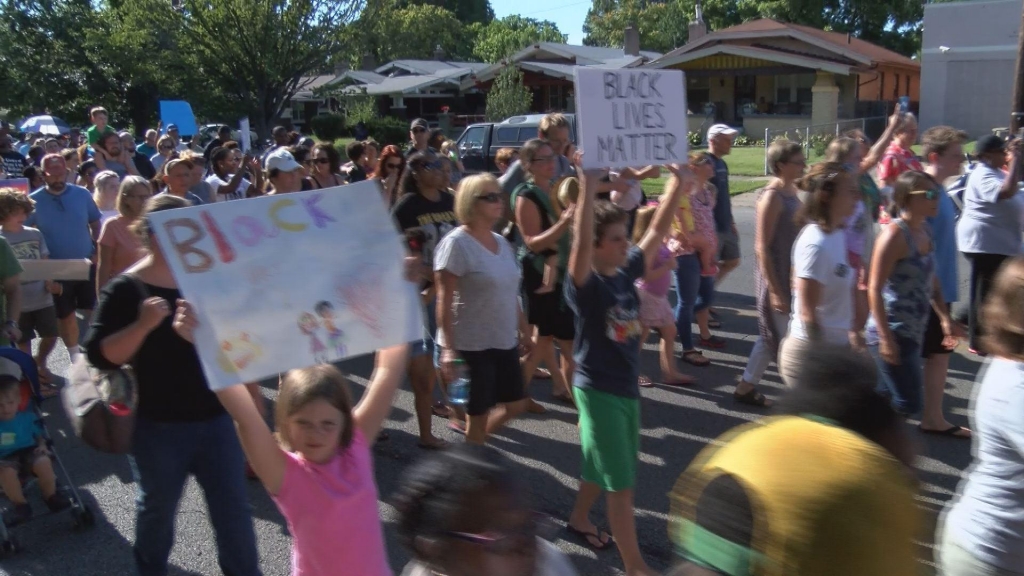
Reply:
x=178, y=112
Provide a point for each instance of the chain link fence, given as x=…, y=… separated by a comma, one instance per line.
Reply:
x=815, y=138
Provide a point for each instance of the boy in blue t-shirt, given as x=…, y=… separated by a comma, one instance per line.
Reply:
x=22, y=451
x=602, y=268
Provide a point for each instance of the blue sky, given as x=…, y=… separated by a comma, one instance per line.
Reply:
x=567, y=14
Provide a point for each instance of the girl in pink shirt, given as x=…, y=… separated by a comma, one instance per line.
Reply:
x=320, y=475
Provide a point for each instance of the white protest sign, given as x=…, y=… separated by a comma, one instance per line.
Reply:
x=289, y=281
x=32, y=270
x=245, y=139
x=630, y=117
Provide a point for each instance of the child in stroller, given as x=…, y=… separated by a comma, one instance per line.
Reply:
x=23, y=449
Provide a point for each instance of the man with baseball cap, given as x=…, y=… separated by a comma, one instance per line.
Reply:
x=419, y=133
x=720, y=137
x=172, y=131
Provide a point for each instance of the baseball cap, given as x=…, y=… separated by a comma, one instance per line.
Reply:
x=10, y=370
x=282, y=160
x=172, y=127
x=722, y=129
x=988, y=143
x=419, y=123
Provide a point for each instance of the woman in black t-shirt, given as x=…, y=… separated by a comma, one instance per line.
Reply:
x=181, y=428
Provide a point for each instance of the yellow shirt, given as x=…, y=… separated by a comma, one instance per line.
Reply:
x=825, y=501
x=686, y=214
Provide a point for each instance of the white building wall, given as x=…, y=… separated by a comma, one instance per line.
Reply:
x=969, y=52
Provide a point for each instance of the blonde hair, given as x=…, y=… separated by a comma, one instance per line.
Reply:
x=644, y=217
x=781, y=152
x=126, y=186
x=552, y=121
x=470, y=188
x=840, y=149
x=98, y=184
x=165, y=139
x=302, y=387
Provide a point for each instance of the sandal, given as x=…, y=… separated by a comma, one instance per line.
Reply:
x=644, y=382
x=714, y=342
x=752, y=398
x=440, y=410
x=584, y=538
x=953, y=431
x=542, y=374
x=695, y=357
x=457, y=427
x=712, y=323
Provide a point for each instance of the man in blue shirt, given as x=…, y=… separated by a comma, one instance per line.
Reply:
x=70, y=222
x=720, y=137
x=942, y=148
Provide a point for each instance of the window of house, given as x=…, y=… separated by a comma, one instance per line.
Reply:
x=557, y=97
x=296, y=113
x=698, y=93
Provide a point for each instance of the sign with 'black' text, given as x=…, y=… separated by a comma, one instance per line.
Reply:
x=630, y=117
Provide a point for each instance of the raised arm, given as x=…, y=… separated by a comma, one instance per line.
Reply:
x=261, y=449
x=581, y=257
x=375, y=405
x=876, y=152
x=1009, y=188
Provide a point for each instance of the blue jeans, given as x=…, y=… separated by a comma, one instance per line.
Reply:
x=693, y=294
x=903, y=382
x=164, y=455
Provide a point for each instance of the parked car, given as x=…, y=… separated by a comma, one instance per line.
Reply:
x=479, y=143
x=209, y=131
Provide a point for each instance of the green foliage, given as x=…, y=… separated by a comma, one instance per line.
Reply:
x=359, y=108
x=391, y=30
x=662, y=26
x=503, y=38
x=389, y=130
x=508, y=96
x=468, y=11
x=695, y=139
x=744, y=140
x=328, y=127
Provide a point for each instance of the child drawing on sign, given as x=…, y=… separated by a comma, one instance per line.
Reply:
x=325, y=310
x=309, y=325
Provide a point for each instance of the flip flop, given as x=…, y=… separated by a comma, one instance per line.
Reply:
x=644, y=382
x=584, y=537
x=751, y=398
x=950, y=432
x=456, y=427
x=542, y=374
x=440, y=410
x=696, y=357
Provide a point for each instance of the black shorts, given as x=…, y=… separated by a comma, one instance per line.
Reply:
x=23, y=460
x=495, y=377
x=77, y=295
x=42, y=322
x=933, y=337
x=548, y=312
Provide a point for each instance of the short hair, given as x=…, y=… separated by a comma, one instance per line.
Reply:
x=97, y=110
x=1002, y=313
x=126, y=186
x=529, y=151
x=101, y=141
x=165, y=139
x=938, y=139
x=68, y=154
x=225, y=129
x=469, y=190
x=192, y=156
x=143, y=227
x=607, y=215
x=821, y=182
x=355, y=150
x=908, y=182
x=550, y=122
x=175, y=162
x=781, y=152
x=504, y=156
x=303, y=386
x=279, y=130
x=150, y=132
x=36, y=151
x=12, y=201
x=86, y=166
x=9, y=385
x=840, y=149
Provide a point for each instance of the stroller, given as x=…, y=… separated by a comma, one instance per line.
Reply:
x=81, y=515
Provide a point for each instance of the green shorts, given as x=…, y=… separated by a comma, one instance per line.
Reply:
x=609, y=437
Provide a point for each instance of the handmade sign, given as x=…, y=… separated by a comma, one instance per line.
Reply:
x=630, y=117
x=282, y=282
x=19, y=184
x=245, y=139
x=179, y=113
x=32, y=270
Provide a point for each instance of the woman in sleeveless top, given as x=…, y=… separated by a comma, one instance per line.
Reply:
x=775, y=232
x=326, y=167
x=901, y=286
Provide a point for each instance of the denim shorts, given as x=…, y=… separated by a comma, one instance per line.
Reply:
x=426, y=346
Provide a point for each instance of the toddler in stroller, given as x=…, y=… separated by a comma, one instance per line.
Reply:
x=23, y=448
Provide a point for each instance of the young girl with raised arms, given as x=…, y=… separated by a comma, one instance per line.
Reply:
x=319, y=469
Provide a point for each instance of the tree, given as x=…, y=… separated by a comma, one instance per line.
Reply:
x=466, y=11
x=388, y=32
x=508, y=96
x=502, y=38
x=662, y=27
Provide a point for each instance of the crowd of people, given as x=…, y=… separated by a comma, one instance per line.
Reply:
x=556, y=272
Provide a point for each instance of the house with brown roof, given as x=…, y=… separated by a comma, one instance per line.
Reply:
x=766, y=74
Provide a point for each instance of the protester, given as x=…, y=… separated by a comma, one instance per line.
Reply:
x=775, y=232
x=165, y=148
x=600, y=291
x=989, y=230
x=553, y=130
x=69, y=220
x=227, y=176
x=356, y=152
x=504, y=158
x=450, y=150
x=424, y=213
x=898, y=157
x=72, y=160
x=180, y=428
x=283, y=172
x=87, y=172
x=222, y=138
x=389, y=172
x=172, y=131
x=148, y=146
x=141, y=161
x=632, y=197
x=52, y=146
x=111, y=156
x=36, y=297
x=99, y=128
x=902, y=288
x=119, y=247
x=197, y=185
x=720, y=138
x=462, y=511
x=695, y=290
x=177, y=178
x=485, y=328
x=301, y=154
x=821, y=488
x=34, y=177
x=419, y=132
x=280, y=136
x=982, y=532
x=326, y=171
x=824, y=309
x=13, y=161
x=544, y=233
x=107, y=183
x=371, y=155
x=35, y=155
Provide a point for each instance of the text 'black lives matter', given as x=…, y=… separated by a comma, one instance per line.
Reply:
x=637, y=116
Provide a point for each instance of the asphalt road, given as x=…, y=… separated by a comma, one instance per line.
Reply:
x=676, y=424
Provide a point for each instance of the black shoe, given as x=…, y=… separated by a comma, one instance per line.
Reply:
x=17, y=514
x=58, y=502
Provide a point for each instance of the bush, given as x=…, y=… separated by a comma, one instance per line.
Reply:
x=744, y=140
x=328, y=127
x=388, y=130
x=696, y=139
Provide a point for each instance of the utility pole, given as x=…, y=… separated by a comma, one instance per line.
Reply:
x=1018, y=83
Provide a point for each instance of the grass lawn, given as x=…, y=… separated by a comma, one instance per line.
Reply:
x=655, y=186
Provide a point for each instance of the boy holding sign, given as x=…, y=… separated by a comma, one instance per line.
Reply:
x=603, y=269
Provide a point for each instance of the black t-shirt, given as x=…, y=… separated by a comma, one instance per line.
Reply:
x=172, y=386
x=14, y=163
x=213, y=145
x=356, y=174
x=144, y=166
x=414, y=214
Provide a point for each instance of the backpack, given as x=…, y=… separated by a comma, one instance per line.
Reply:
x=526, y=256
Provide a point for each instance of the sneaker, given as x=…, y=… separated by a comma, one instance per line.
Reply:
x=59, y=501
x=17, y=514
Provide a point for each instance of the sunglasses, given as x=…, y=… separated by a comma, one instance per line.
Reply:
x=928, y=194
x=167, y=147
x=491, y=198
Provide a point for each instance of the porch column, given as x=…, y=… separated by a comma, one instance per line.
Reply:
x=824, y=100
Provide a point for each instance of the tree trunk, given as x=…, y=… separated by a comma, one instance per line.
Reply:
x=1018, y=84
